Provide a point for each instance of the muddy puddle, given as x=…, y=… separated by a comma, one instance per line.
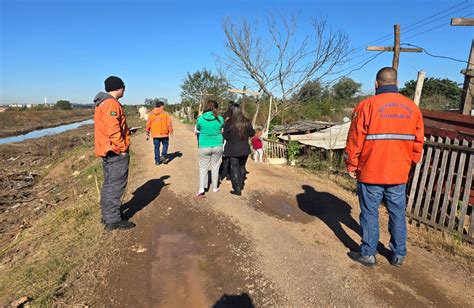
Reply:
x=176, y=264
x=281, y=206
x=180, y=255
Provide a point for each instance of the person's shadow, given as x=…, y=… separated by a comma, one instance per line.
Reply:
x=242, y=300
x=143, y=196
x=174, y=155
x=334, y=212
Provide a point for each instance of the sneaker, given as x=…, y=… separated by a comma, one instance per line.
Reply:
x=200, y=195
x=368, y=261
x=215, y=190
x=397, y=260
x=157, y=163
x=164, y=160
x=119, y=225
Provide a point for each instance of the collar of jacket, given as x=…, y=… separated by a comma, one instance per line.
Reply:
x=386, y=89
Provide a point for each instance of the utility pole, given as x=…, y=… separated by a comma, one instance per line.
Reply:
x=396, y=49
x=244, y=92
x=468, y=88
x=419, y=87
x=462, y=21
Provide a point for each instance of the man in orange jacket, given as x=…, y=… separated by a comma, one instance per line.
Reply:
x=385, y=140
x=160, y=127
x=112, y=139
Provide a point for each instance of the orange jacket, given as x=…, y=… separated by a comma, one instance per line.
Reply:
x=385, y=138
x=159, y=124
x=111, y=132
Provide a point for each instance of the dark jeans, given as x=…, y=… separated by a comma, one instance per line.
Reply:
x=237, y=172
x=370, y=197
x=115, y=180
x=157, y=142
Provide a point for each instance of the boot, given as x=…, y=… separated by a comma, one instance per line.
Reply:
x=119, y=225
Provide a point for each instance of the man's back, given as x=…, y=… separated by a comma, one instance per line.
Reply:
x=385, y=138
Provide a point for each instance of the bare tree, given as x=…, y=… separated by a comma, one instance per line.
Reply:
x=277, y=59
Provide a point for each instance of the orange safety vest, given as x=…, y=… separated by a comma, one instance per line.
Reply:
x=385, y=138
x=159, y=124
x=111, y=132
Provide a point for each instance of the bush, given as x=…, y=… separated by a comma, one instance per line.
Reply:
x=63, y=105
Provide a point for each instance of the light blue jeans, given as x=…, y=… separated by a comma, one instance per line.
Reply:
x=370, y=197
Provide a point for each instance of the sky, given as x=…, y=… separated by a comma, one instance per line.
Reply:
x=65, y=49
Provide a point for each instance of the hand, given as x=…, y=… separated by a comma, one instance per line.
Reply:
x=147, y=136
x=353, y=175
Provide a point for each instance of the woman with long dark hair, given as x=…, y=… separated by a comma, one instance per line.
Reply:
x=237, y=131
x=210, y=141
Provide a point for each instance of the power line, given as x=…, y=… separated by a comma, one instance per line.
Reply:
x=436, y=56
x=431, y=29
x=439, y=18
x=388, y=36
x=359, y=68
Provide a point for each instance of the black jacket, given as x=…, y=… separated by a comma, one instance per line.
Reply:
x=234, y=146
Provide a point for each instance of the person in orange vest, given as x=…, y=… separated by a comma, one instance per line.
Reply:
x=111, y=140
x=160, y=127
x=385, y=140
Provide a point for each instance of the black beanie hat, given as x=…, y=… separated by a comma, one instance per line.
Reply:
x=113, y=83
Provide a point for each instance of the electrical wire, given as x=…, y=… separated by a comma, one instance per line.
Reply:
x=437, y=56
x=410, y=27
x=356, y=69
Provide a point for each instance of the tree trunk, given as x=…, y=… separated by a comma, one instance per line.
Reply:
x=269, y=117
x=255, y=116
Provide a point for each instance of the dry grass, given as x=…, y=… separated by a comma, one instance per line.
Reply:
x=39, y=261
x=449, y=244
x=50, y=252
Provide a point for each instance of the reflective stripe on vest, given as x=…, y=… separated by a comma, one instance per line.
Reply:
x=390, y=137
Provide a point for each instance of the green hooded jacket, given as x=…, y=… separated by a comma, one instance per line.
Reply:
x=209, y=128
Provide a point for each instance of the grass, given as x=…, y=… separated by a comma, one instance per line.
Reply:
x=42, y=257
x=53, y=246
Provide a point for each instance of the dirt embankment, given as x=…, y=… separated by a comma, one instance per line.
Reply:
x=17, y=122
x=49, y=218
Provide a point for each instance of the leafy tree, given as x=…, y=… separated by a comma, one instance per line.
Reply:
x=346, y=88
x=310, y=91
x=63, y=105
x=150, y=102
x=201, y=84
x=437, y=94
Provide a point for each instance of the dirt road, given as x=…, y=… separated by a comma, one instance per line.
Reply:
x=284, y=242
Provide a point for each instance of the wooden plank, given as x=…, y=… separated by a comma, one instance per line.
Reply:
x=467, y=190
x=462, y=21
x=439, y=184
x=457, y=188
x=447, y=188
x=424, y=175
x=432, y=176
x=403, y=49
x=450, y=146
x=470, y=233
x=414, y=184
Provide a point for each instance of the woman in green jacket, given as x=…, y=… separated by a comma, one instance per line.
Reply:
x=209, y=125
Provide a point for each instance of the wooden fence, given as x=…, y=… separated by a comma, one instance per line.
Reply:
x=275, y=149
x=439, y=193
